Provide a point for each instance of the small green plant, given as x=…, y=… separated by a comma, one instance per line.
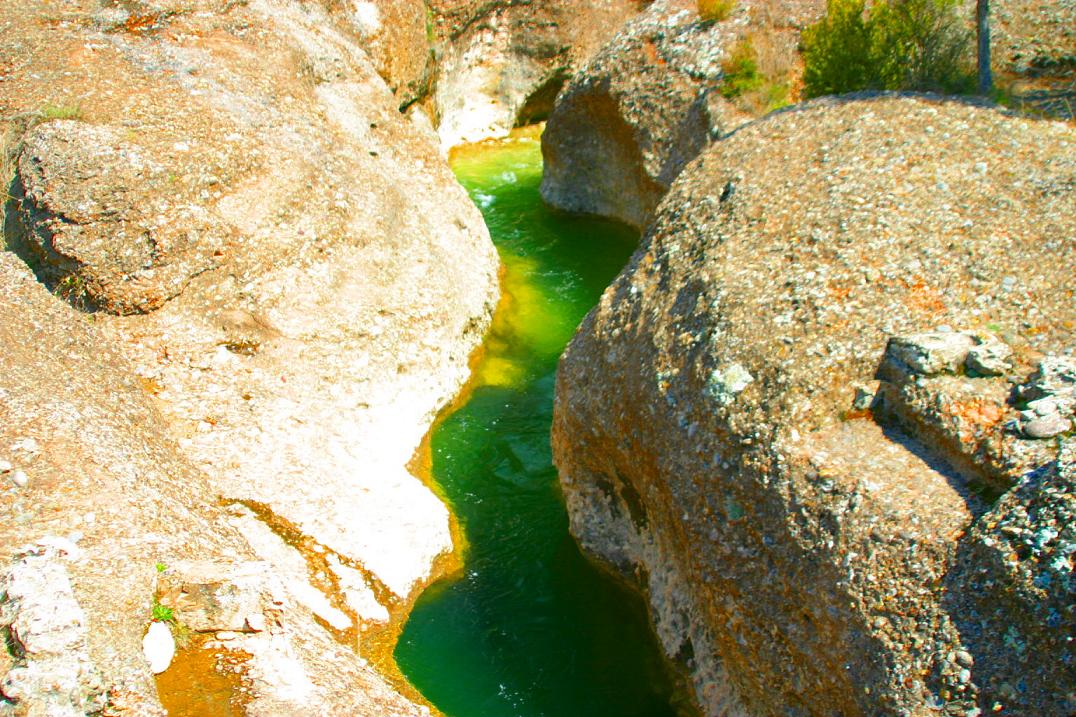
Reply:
x=892, y=45
x=777, y=94
x=740, y=70
x=715, y=10
x=160, y=567
x=431, y=27
x=72, y=289
x=162, y=613
x=60, y=112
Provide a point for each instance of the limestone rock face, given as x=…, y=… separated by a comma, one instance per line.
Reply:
x=278, y=284
x=650, y=100
x=503, y=62
x=107, y=495
x=394, y=33
x=813, y=529
x=79, y=187
x=645, y=105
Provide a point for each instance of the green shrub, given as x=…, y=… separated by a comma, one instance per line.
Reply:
x=895, y=45
x=715, y=10
x=740, y=70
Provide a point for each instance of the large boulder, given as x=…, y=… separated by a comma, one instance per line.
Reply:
x=650, y=100
x=294, y=281
x=503, y=62
x=789, y=416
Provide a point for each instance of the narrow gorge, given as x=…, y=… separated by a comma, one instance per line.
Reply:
x=476, y=358
x=528, y=626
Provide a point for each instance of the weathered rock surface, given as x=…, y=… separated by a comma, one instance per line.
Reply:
x=633, y=116
x=395, y=35
x=1034, y=37
x=108, y=497
x=1012, y=593
x=45, y=628
x=100, y=477
x=281, y=283
x=647, y=103
x=724, y=433
x=86, y=225
x=503, y=62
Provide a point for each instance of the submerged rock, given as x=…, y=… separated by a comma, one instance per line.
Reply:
x=801, y=555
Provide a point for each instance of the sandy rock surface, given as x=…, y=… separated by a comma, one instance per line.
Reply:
x=818, y=535
x=106, y=496
x=279, y=283
x=397, y=36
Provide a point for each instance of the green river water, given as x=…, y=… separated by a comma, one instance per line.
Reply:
x=528, y=627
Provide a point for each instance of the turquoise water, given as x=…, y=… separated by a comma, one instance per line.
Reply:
x=530, y=627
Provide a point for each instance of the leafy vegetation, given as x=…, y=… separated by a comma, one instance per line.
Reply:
x=894, y=45
x=72, y=289
x=162, y=613
x=741, y=70
x=745, y=80
x=715, y=10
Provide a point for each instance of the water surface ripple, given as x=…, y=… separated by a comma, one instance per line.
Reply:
x=529, y=628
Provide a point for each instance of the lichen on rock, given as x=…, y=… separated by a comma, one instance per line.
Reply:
x=807, y=551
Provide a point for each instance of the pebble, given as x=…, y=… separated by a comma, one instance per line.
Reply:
x=1043, y=406
x=5, y=466
x=1047, y=426
x=25, y=444
x=158, y=647
x=863, y=399
x=20, y=479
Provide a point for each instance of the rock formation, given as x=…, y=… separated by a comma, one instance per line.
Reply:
x=503, y=62
x=274, y=282
x=1034, y=38
x=791, y=417
x=648, y=102
x=396, y=35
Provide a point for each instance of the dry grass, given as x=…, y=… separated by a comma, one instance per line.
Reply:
x=715, y=10
x=762, y=70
